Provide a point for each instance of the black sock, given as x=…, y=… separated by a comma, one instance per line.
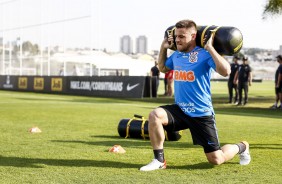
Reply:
x=159, y=155
x=242, y=147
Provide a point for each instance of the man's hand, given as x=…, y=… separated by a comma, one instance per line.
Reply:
x=168, y=43
x=209, y=43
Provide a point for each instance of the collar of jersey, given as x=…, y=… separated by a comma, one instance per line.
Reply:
x=187, y=53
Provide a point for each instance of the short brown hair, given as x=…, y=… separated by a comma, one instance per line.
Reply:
x=279, y=57
x=186, y=24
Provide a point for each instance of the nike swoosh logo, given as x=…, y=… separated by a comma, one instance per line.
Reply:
x=129, y=88
x=210, y=143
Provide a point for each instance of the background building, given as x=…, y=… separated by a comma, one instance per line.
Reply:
x=126, y=44
x=141, y=45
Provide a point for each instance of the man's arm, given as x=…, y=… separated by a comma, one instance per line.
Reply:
x=222, y=66
x=235, y=81
x=163, y=53
x=250, y=78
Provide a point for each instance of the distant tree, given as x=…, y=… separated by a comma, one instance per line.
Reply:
x=272, y=8
x=35, y=49
x=27, y=46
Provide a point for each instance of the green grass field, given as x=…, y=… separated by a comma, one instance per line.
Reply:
x=77, y=133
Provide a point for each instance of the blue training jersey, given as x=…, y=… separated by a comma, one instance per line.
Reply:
x=192, y=74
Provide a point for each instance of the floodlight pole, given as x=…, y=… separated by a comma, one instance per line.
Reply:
x=20, y=42
x=3, y=54
x=21, y=56
x=48, y=56
x=10, y=57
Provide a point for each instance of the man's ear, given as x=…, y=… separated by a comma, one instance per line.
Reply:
x=194, y=36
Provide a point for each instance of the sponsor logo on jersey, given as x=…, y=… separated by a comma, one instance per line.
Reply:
x=187, y=107
x=193, y=57
x=180, y=75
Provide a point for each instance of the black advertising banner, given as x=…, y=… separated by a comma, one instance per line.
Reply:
x=8, y=82
x=103, y=86
x=107, y=86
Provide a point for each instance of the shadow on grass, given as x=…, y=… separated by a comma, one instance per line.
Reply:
x=201, y=166
x=39, y=163
x=42, y=163
x=266, y=146
x=129, y=143
x=269, y=146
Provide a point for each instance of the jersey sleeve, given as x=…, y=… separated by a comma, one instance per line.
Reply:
x=211, y=62
x=169, y=62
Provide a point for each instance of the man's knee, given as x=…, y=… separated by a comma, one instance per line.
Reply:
x=215, y=161
x=157, y=116
x=215, y=158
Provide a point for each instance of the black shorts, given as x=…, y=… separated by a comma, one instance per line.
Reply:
x=278, y=90
x=203, y=129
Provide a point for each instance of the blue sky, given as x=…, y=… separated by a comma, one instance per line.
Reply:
x=101, y=23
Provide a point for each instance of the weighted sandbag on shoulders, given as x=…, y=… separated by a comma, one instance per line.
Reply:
x=227, y=40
